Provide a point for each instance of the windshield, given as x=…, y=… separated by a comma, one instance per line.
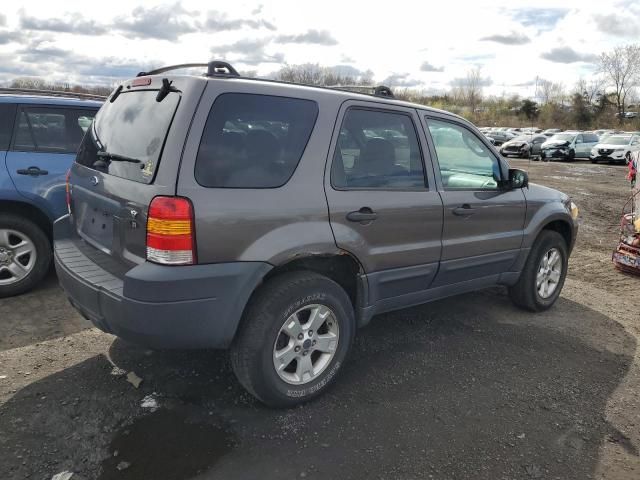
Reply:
x=567, y=137
x=128, y=135
x=618, y=140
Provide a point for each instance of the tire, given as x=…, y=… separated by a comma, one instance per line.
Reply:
x=572, y=156
x=525, y=293
x=261, y=335
x=22, y=236
x=627, y=158
x=594, y=161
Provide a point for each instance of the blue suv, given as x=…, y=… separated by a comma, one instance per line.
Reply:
x=39, y=136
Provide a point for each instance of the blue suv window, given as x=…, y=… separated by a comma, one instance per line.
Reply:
x=253, y=141
x=7, y=118
x=46, y=129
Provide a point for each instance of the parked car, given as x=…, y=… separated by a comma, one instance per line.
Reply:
x=184, y=234
x=501, y=136
x=615, y=149
x=550, y=132
x=568, y=145
x=39, y=136
x=523, y=146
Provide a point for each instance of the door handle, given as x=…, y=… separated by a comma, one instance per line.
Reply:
x=33, y=171
x=464, y=210
x=365, y=214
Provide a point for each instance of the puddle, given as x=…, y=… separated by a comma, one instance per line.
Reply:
x=166, y=444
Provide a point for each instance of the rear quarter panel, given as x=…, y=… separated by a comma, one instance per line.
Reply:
x=272, y=225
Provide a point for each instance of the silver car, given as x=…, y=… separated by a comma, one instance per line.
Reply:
x=568, y=145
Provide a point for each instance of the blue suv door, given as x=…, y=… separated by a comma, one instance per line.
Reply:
x=44, y=145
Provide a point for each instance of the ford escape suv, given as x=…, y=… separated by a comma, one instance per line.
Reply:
x=39, y=135
x=275, y=219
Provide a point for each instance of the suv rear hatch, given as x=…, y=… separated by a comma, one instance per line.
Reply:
x=117, y=172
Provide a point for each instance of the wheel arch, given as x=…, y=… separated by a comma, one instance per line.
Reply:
x=31, y=212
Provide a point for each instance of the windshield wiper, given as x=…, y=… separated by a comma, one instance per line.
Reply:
x=114, y=157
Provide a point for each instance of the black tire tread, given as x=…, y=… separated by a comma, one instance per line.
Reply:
x=523, y=292
x=250, y=337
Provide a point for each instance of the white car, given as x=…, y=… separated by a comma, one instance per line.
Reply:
x=616, y=148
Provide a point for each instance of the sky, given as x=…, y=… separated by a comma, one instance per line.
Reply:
x=423, y=45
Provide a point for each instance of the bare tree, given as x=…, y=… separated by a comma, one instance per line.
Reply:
x=621, y=67
x=314, y=74
x=550, y=92
x=591, y=89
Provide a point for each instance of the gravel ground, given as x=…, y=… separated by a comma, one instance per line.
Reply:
x=450, y=390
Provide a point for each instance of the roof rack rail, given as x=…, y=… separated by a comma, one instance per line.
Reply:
x=378, y=91
x=53, y=93
x=215, y=68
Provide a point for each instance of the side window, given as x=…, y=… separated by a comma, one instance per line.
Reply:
x=253, y=141
x=465, y=162
x=53, y=130
x=7, y=119
x=579, y=139
x=377, y=149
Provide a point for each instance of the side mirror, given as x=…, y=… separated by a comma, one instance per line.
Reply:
x=517, y=179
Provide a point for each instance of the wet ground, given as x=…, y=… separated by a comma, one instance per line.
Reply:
x=461, y=388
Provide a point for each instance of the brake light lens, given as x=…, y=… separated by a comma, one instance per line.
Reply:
x=67, y=189
x=170, y=231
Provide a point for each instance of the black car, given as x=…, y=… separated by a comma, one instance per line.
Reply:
x=523, y=146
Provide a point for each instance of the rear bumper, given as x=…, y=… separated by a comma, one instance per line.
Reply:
x=197, y=306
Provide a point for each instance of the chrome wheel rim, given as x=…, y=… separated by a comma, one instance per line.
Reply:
x=17, y=256
x=549, y=273
x=306, y=343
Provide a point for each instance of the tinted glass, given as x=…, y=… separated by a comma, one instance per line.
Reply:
x=465, y=162
x=44, y=129
x=590, y=138
x=377, y=150
x=135, y=127
x=7, y=118
x=253, y=141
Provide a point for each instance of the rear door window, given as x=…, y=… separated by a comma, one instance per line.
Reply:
x=377, y=150
x=7, y=118
x=253, y=141
x=47, y=129
x=128, y=135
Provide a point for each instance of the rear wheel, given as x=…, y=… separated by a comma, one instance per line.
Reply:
x=294, y=338
x=544, y=273
x=25, y=255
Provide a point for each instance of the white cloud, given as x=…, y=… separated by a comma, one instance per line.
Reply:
x=423, y=44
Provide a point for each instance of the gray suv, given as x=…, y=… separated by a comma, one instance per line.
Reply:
x=275, y=219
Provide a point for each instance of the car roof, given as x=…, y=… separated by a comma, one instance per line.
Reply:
x=49, y=100
x=264, y=85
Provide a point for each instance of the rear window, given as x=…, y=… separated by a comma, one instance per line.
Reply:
x=128, y=135
x=253, y=141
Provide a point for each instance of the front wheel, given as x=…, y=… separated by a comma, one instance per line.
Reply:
x=544, y=273
x=293, y=340
x=572, y=155
x=25, y=255
x=627, y=158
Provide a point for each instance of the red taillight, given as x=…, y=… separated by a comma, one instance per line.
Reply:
x=67, y=190
x=170, y=231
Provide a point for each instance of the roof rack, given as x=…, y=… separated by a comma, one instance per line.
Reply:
x=378, y=91
x=53, y=93
x=218, y=68
x=215, y=68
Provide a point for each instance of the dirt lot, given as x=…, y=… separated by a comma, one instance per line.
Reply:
x=471, y=389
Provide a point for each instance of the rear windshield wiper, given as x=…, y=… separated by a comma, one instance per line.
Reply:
x=114, y=157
